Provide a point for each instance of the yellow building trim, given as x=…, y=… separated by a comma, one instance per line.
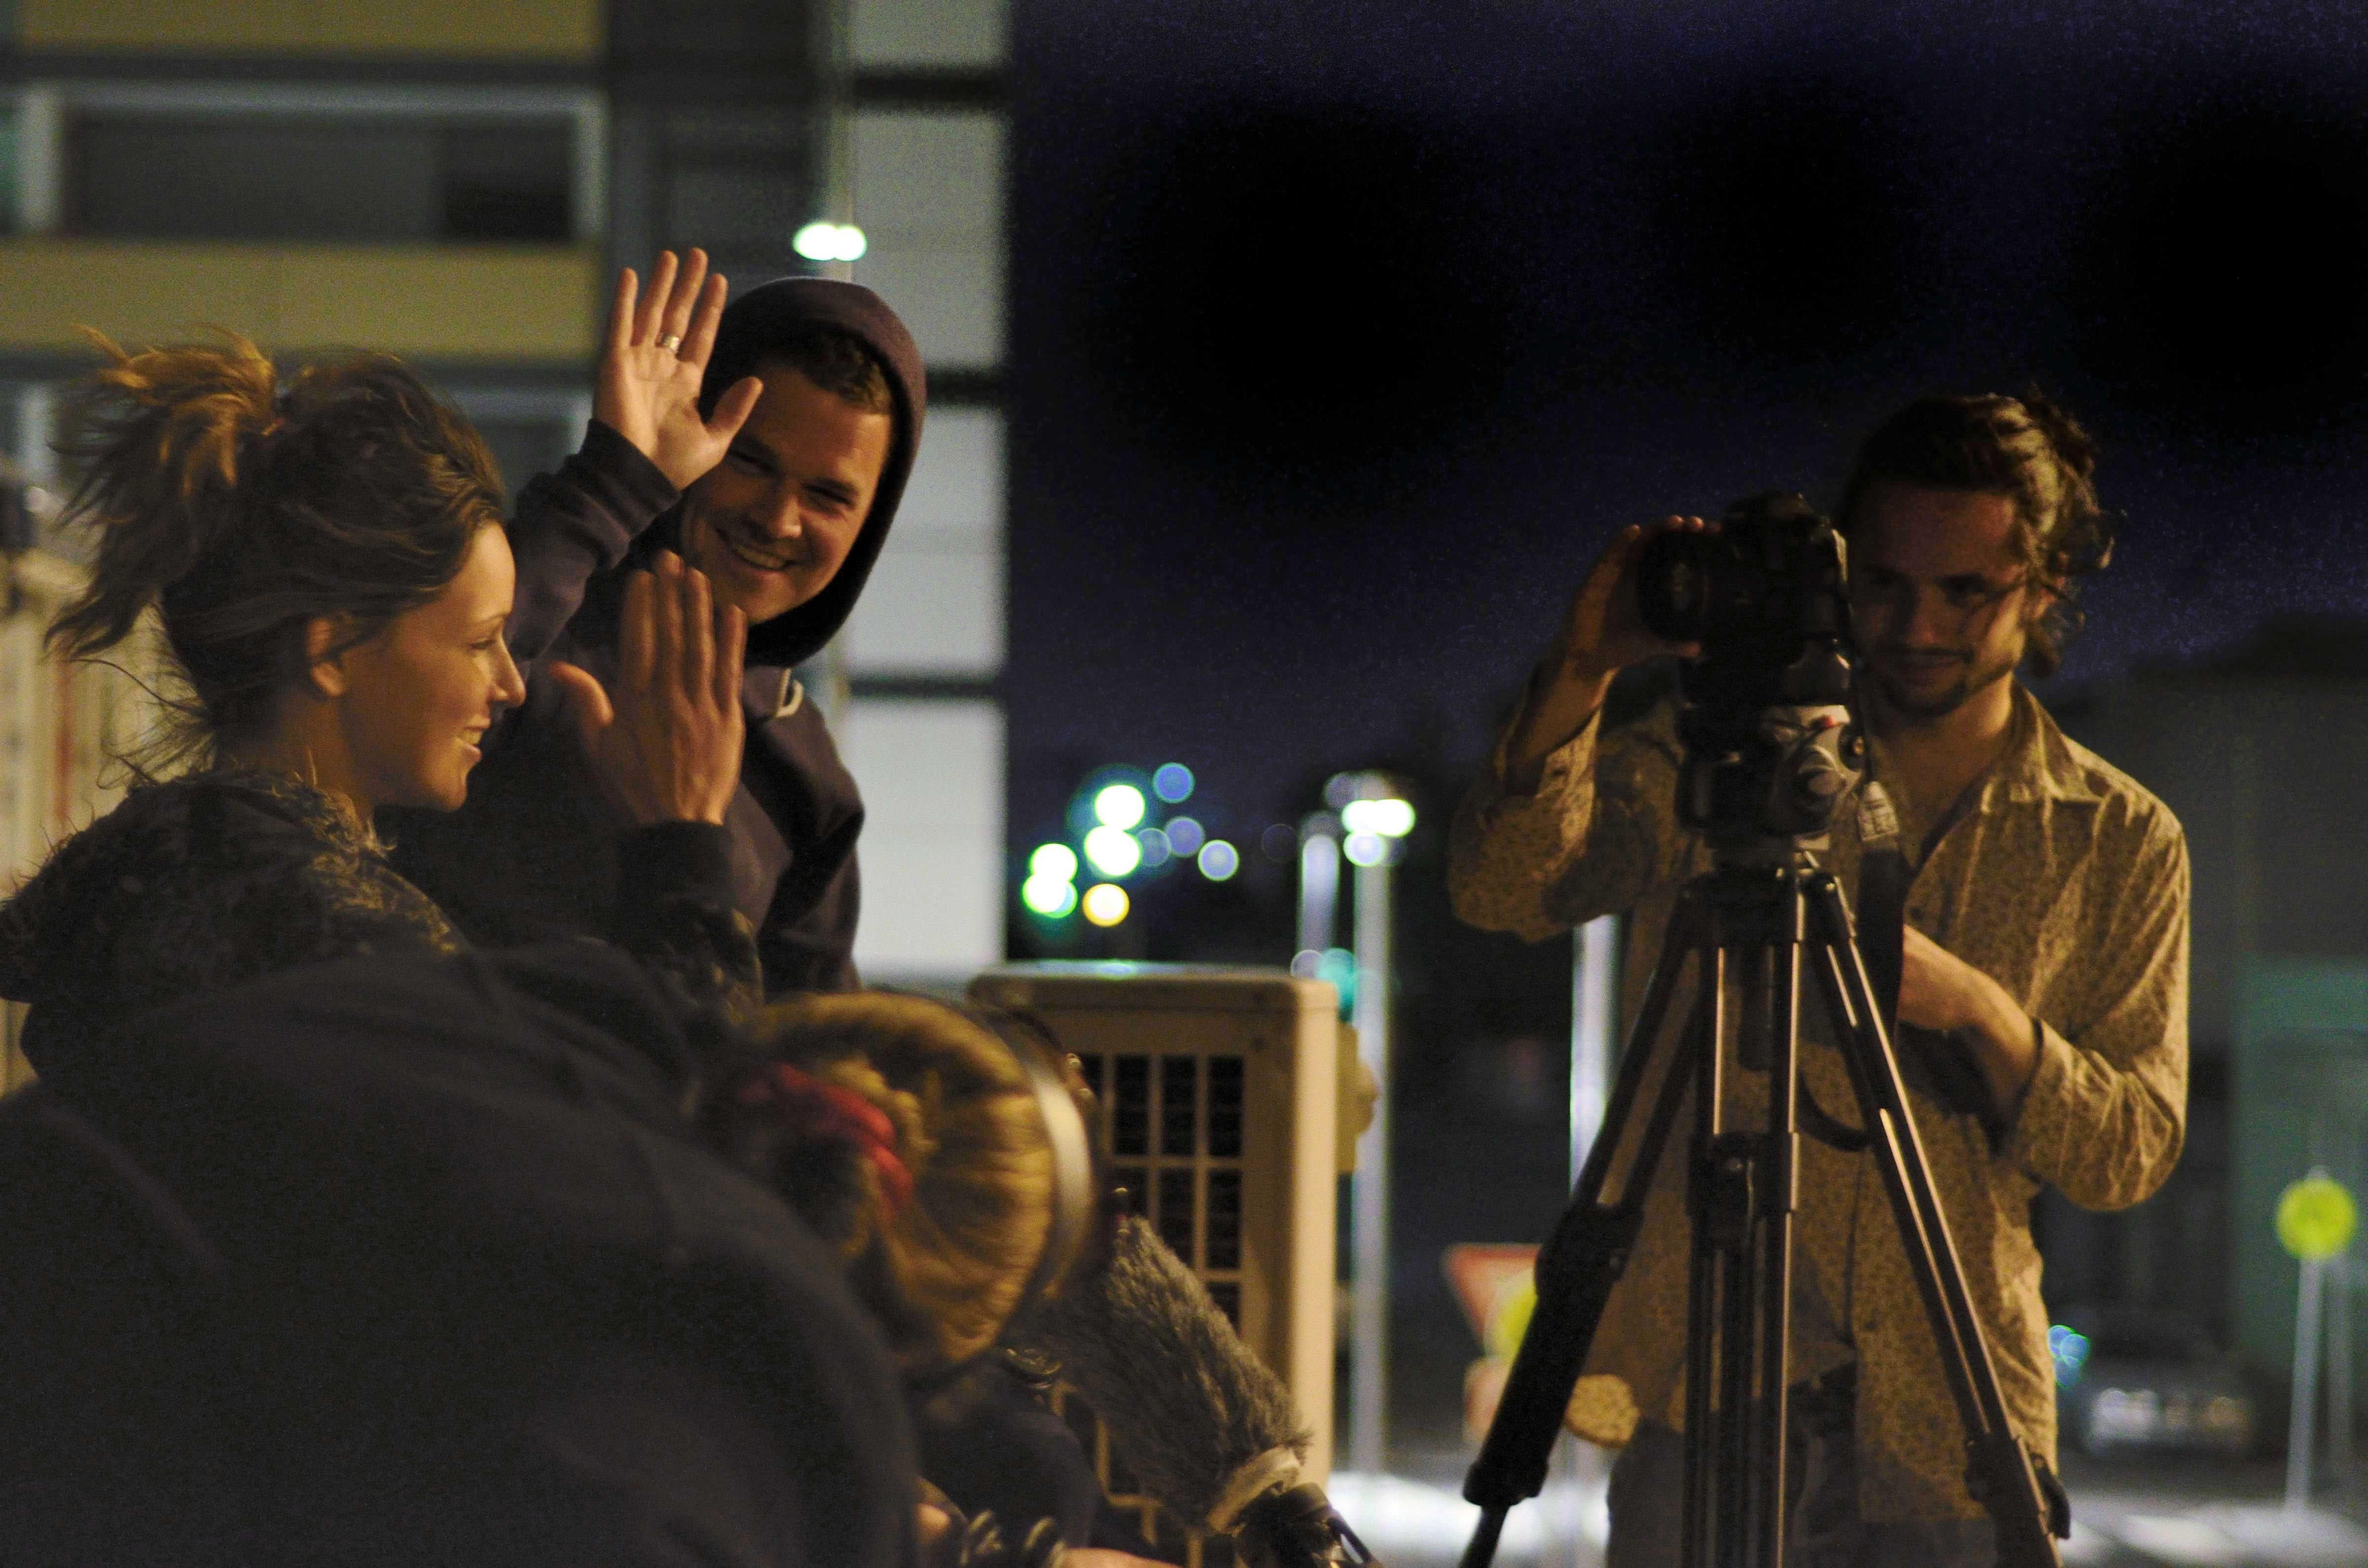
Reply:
x=539, y=30
x=464, y=302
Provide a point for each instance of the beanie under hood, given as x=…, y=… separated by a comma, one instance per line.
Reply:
x=772, y=314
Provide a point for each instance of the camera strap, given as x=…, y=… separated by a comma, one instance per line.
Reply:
x=1881, y=919
x=1934, y=1064
x=1882, y=877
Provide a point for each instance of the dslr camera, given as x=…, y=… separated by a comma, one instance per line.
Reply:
x=1771, y=744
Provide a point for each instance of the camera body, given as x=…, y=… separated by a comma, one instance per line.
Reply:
x=1771, y=746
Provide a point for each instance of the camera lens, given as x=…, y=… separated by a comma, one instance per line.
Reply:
x=1674, y=583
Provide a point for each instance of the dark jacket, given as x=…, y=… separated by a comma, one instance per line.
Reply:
x=425, y=1267
x=530, y=855
x=203, y=882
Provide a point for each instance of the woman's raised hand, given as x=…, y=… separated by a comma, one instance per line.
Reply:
x=666, y=743
x=653, y=363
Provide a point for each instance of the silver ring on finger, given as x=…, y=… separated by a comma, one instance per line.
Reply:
x=670, y=341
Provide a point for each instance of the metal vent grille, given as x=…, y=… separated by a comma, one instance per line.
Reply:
x=1172, y=1126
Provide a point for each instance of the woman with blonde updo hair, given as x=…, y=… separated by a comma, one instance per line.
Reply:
x=323, y=553
x=913, y=1141
x=940, y=1199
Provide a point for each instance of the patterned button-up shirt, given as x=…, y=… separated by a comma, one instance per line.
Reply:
x=2057, y=876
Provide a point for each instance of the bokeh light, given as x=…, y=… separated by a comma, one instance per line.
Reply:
x=2069, y=1349
x=1390, y=819
x=1185, y=835
x=1118, y=805
x=1172, y=783
x=1362, y=848
x=821, y=240
x=1052, y=897
x=1113, y=850
x=1155, y=848
x=1057, y=862
x=1219, y=860
x=1106, y=904
x=1338, y=966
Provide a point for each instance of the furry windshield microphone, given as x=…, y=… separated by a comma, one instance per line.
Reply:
x=1205, y=1427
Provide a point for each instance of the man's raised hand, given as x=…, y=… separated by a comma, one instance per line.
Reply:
x=653, y=363
x=1602, y=633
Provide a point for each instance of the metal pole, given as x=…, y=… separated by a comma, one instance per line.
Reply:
x=834, y=106
x=1369, y=1189
x=1593, y=1010
x=1319, y=889
x=1592, y=1007
x=2339, y=1371
x=2305, y=1385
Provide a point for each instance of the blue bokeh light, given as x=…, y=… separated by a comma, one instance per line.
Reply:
x=1172, y=783
x=2069, y=1349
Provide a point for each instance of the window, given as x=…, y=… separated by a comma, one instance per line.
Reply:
x=368, y=179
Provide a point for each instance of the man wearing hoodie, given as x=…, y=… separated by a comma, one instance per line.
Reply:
x=786, y=527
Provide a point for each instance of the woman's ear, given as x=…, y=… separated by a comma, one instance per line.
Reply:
x=325, y=670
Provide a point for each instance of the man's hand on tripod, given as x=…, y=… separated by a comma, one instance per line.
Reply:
x=1941, y=992
x=1602, y=633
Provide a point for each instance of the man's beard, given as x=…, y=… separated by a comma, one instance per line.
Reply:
x=1973, y=676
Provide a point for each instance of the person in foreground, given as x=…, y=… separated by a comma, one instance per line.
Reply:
x=509, y=1257
x=328, y=571
x=2043, y=1003
x=813, y=396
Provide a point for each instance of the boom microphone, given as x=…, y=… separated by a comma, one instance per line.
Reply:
x=1205, y=1427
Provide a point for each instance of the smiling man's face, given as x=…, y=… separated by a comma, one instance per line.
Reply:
x=1940, y=601
x=773, y=523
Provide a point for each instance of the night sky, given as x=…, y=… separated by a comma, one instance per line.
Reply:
x=1344, y=335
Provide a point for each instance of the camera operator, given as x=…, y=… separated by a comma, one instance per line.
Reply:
x=2042, y=1000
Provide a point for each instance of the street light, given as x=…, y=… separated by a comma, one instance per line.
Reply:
x=824, y=241
x=1113, y=851
x=1106, y=904
x=1119, y=805
x=1376, y=815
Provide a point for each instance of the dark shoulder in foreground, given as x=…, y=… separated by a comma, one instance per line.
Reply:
x=198, y=884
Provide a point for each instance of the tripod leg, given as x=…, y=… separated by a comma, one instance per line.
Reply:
x=1709, y=1280
x=1741, y=1206
x=2001, y=1468
x=1590, y=1245
x=1776, y=1208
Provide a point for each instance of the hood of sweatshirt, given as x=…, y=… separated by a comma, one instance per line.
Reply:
x=772, y=314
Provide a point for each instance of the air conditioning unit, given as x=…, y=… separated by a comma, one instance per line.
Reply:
x=1219, y=1098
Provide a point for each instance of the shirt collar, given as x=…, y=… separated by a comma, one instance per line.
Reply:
x=2039, y=763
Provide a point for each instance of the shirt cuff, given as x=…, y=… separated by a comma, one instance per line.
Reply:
x=1563, y=764
x=2040, y=1140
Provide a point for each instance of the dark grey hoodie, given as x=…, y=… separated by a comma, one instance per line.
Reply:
x=532, y=854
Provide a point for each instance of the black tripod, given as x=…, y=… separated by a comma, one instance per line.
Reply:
x=1753, y=919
